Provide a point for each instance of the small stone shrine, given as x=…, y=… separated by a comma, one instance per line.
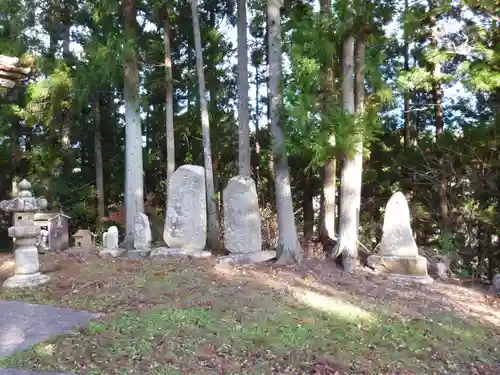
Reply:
x=25, y=233
x=398, y=251
x=83, y=239
x=54, y=234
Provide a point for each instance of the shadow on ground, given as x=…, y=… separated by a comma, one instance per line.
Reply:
x=194, y=317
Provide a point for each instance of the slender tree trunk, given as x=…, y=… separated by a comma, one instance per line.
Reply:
x=213, y=222
x=134, y=171
x=257, y=132
x=350, y=188
x=66, y=113
x=330, y=168
x=243, y=105
x=437, y=98
x=288, y=246
x=169, y=102
x=99, y=174
x=410, y=139
x=307, y=204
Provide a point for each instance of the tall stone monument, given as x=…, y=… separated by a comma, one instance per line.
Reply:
x=398, y=251
x=186, y=217
x=25, y=233
x=241, y=216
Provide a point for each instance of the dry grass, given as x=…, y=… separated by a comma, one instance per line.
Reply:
x=194, y=317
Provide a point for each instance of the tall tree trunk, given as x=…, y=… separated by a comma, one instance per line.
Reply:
x=243, y=106
x=330, y=168
x=213, y=222
x=410, y=139
x=169, y=102
x=134, y=171
x=99, y=174
x=437, y=98
x=307, y=205
x=257, y=132
x=288, y=246
x=350, y=187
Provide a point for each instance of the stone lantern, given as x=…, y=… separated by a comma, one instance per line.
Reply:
x=24, y=234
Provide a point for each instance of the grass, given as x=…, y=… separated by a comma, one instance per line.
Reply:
x=188, y=317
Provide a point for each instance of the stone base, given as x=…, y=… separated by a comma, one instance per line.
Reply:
x=112, y=252
x=26, y=281
x=138, y=254
x=247, y=258
x=399, y=265
x=166, y=252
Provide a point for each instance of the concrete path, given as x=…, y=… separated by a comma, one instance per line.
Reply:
x=25, y=324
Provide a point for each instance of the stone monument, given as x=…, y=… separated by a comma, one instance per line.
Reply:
x=142, y=237
x=110, y=243
x=398, y=251
x=110, y=238
x=241, y=216
x=25, y=233
x=186, y=217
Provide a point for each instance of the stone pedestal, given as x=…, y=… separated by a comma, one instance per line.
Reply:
x=398, y=255
x=25, y=233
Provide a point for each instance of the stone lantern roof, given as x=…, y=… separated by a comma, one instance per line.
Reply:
x=10, y=71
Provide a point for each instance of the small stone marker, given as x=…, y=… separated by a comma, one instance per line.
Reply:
x=110, y=238
x=25, y=233
x=142, y=237
x=398, y=251
x=186, y=217
x=142, y=232
x=241, y=216
x=110, y=243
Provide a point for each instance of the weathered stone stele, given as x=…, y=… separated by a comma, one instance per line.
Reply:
x=142, y=232
x=241, y=216
x=186, y=217
x=142, y=237
x=398, y=251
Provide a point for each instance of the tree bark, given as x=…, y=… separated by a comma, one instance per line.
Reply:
x=437, y=98
x=288, y=246
x=410, y=138
x=350, y=188
x=330, y=167
x=99, y=174
x=307, y=205
x=134, y=171
x=243, y=105
x=169, y=102
x=213, y=222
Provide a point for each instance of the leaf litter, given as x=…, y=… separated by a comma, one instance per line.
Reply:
x=195, y=317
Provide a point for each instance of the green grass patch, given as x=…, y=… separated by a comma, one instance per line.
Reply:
x=183, y=320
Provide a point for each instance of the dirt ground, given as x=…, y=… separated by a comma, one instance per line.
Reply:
x=195, y=317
